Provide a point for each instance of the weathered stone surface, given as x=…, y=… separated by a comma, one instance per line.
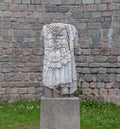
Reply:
x=68, y=2
x=102, y=7
x=35, y=1
x=102, y=70
x=85, y=85
x=88, y=1
x=9, y=77
x=24, y=33
x=85, y=70
x=22, y=90
x=1, y=77
x=54, y=8
x=88, y=77
x=102, y=77
x=64, y=114
x=100, y=85
x=21, y=50
x=87, y=91
x=100, y=58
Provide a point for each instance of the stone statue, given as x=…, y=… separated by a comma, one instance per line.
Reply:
x=58, y=65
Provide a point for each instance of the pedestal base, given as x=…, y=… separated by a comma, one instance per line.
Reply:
x=60, y=113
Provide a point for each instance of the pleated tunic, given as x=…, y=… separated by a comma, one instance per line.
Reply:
x=58, y=63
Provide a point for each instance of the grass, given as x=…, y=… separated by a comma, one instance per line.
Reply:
x=97, y=115
x=25, y=115
x=22, y=113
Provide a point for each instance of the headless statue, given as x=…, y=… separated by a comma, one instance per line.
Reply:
x=59, y=71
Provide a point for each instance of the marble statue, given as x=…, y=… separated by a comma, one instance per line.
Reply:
x=58, y=64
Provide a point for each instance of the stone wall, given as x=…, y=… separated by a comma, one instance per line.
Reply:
x=97, y=53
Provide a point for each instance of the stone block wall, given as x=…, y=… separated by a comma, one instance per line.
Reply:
x=97, y=53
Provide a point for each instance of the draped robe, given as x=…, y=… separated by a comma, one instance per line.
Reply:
x=58, y=63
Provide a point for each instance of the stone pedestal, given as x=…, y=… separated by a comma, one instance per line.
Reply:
x=60, y=113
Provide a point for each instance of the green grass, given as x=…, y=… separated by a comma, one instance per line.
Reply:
x=96, y=115
x=22, y=113
x=26, y=114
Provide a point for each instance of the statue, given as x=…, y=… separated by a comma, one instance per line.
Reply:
x=59, y=69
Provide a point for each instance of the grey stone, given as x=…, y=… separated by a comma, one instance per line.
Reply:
x=100, y=85
x=116, y=13
x=54, y=8
x=60, y=113
x=102, y=70
x=9, y=77
x=95, y=38
x=88, y=1
x=111, y=70
x=78, y=15
x=100, y=19
x=35, y=1
x=68, y=2
x=85, y=70
x=82, y=59
x=87, y=14
x=5, y=45
x=112, y=59
x=81, y=26
x=4, y=64
x=90, y=59
x=100, y=59
x=88, y=77
x=5, y=58
x=102, y=77
x=94, y=25
x=78, y=1
x=32, y=20
x=24, y=45
x=105, y=25
x=102, y=7
x=24, y=33
x=27, y=1
x=116, y=85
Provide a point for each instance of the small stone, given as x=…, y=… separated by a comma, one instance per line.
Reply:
x=100, y=59
x=54, y=8
x=113, y=92
x=68, y=2
x=102, y=77
x=88, y=1
x=95, y=92
x=100, y=85
x=35, y=2
x=102, y=70
x=1, y=77
x=88, y=77
x=102, y=7
x=85, y=70
x=87, y=91
x=22, y=90
x=9, y=77
x=109, y=85
x=106, y=1
x=103, y=92
x=78, y=15
x=15, y=90
x=92, y=85
x=85, y=85
x=31, y=90
x=19, y=77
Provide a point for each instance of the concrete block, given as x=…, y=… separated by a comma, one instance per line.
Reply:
x=60, y=113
